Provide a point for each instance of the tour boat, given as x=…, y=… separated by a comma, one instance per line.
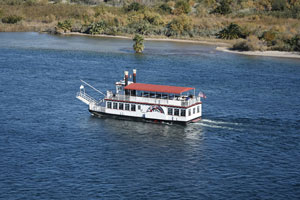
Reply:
x=146, y=102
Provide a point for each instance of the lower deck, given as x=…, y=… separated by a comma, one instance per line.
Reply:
x=130, y=118
x=148, y=112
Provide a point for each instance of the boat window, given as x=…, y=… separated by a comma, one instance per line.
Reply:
x=132, y=107
x=176, y=112
x=182, y=112
x=139, y=107
x=108, y=104
x=115, y=105
x=198, y=109
x=126, y=106
x=170, y=111
x=121, y=105
x=189, y=112
x=194, y=110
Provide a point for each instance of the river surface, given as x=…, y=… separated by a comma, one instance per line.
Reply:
x=247, y=145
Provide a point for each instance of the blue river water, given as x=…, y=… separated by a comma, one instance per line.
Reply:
x=247, y=146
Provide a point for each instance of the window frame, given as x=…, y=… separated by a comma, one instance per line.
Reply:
x=133, y=107
x=176, y=111
x=121, y=105
x=183, y=112
x=170, y=109
x=115, y=105
x=108, y=104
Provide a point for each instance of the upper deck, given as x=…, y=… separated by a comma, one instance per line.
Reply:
x=156, y=94
x=177, y=101
x=157, y=88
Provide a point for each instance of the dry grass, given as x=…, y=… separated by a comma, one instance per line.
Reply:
x=43, y=16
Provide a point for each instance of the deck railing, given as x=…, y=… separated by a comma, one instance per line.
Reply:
x=179, y=101
x=98, y=108
x=86, y=97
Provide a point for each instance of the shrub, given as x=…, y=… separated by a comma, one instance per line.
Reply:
x=182, y=7
x=165, y=8
x=278, y=5
x=135, y=6
x=280, y=45
x=12, y=19
x=233, y=31
x=141, y=27
x=179, y=26
x=252, y=43
x=269, y=37
x=153, y=18
x=65, y=25
x=223, y=8
x=97, y=28
x=295, y=43
x=30, y=2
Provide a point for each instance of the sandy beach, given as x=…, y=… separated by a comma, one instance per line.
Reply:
x=281, y=54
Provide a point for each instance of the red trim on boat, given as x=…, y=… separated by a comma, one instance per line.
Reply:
x=157, y=88
x=196, y=120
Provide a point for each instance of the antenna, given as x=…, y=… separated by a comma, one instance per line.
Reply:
x=92, y=87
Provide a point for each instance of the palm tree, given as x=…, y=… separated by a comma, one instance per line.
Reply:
x=139, y=43
x=233, y=31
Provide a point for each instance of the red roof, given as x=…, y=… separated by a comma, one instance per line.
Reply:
x=157, y=88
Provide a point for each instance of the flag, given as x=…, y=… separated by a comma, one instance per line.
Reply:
x=201, y=94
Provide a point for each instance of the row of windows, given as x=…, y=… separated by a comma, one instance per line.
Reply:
x=182, y=112
x=132, y=107
x=121, y=106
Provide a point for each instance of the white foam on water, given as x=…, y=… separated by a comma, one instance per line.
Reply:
x=219, y=122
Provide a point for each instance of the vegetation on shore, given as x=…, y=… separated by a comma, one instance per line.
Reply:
x=247, y=24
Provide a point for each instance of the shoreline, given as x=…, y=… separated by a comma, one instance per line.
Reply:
x=215, y=43
x=221, y=46
x=278, y=54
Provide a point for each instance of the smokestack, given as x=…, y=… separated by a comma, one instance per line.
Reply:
x=134, y=75
x=126, y=78
x=134, y=81
x=126, y=81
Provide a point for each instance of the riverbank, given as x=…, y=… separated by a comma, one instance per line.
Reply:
x=281, y=54
x=194, y=41
x=221, y=45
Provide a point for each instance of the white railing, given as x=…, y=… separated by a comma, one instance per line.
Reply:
x=95, y=107
x=174, y=102
x=86, y=97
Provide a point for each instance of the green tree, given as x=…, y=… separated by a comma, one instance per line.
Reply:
x=139, y=43
x=233, y=31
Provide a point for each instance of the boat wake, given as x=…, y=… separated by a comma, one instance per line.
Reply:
x=217, y=124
